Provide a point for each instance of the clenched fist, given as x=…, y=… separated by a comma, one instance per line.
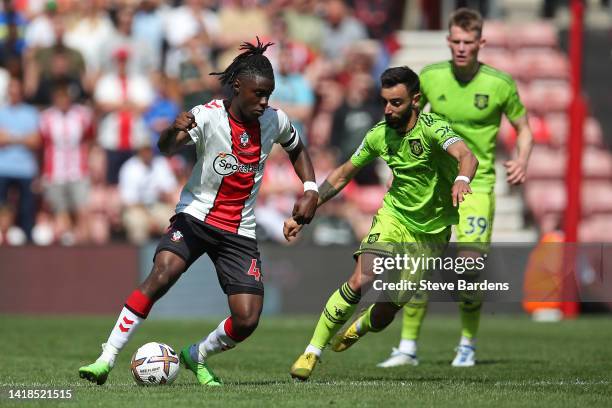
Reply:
x=185, y=121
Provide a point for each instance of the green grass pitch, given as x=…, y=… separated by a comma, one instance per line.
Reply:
x=521, y=363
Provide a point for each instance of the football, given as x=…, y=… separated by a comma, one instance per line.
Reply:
x=155, y=364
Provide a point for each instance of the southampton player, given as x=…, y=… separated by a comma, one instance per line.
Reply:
x=472, y=96
x=215, y=213
x=425, y=156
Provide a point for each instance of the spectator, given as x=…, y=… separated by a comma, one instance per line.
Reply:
x=12, y=24
x=66, y=129
x=240, y=20
x=104, y=205
x=19, y=140
x=146, y=187
x=277, y=194
x=382, y=18
x=39, y=32
x=143, y=61
x=304, y=25
x=192, y=18
x=164, y=109
x=92, y=29
x=301, y=55
x=357, y=114
x=57, y=62
x=122, y=98
x=4, y=81
x=340, y=30
x=190, y=65
x=10, y=234
x=148, y=26
x=293, y=94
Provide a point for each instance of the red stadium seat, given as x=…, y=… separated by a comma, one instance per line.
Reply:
x=596, y=228
x=596, y=197
x=559, y=128
x=542, y=64
x=549, y=95
x=495, y=33
x=545, y=197
x=502, y=59
x=539, y=129
x=546, y=163
x=536, y=34
x=597, y=164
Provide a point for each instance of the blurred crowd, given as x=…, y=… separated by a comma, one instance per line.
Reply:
x=86, y=86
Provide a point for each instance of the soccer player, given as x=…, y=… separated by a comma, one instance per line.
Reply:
x=425, y=155
x=472, y=96
x=215, y=213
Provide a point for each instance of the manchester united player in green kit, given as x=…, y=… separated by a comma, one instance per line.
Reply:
x=472, y=96
x=432, y=169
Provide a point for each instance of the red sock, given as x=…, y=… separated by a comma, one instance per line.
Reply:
x=139, y=304
x=229, y=330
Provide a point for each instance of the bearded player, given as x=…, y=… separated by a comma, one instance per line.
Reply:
x=432, y=169
x=472, y=96
x=215, y=214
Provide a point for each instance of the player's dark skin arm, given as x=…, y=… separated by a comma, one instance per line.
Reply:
x=175, y=137
x=305, y=207
x=468, y=163
x=335, y=182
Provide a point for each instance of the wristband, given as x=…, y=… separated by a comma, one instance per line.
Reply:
x=463, y=178
x=310, y=185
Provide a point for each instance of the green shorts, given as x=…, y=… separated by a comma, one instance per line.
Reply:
x=475, y=226
x=388, y=237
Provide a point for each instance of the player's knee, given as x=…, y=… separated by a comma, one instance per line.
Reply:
x=245, y=324
x=354, y=283
x=163, y=275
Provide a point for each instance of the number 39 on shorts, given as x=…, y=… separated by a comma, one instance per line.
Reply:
x=476, y=225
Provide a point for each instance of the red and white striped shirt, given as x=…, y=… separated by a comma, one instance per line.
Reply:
x=230, y=160
x=64, y=136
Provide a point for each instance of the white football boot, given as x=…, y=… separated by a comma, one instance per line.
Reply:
x=466, y=357
x=398, y=358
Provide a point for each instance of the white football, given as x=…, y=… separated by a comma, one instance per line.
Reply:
x=155, y=364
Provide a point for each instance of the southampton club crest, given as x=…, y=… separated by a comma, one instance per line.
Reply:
x=481, y=101
x=416, y=147
x=176, y=236
x=244, y=139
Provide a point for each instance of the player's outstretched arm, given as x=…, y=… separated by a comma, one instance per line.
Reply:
x=176, y=136
x=334, y=183
x=468, y=163
x=305, y=207
x=516, y=168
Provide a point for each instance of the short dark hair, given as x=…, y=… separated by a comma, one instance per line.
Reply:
x=251, y=62
x=400, y=75
x=467, y=19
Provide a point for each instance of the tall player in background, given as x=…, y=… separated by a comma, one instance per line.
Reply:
x=215, y=214
x=472, y=96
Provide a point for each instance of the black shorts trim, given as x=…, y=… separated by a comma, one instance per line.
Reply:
x=238, y=289
x=174, y=251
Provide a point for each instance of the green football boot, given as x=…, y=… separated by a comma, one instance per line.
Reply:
x=204, y=374
x=96, y=372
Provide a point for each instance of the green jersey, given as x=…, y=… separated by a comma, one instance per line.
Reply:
x=423, y=172
x=474, y=110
